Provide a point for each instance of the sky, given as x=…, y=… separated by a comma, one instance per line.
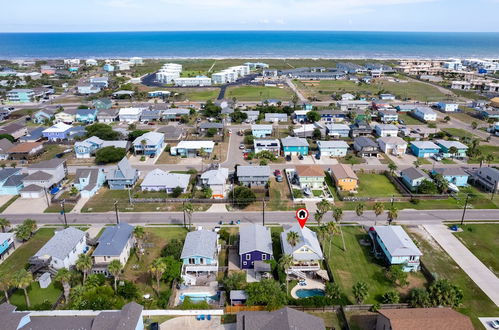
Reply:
x=175, y=15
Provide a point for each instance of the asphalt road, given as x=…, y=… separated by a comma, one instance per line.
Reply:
x=208, y=218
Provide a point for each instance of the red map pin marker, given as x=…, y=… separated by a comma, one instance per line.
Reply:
x=302, y=216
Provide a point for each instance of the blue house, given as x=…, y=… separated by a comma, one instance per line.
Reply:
x=59, y=131
x=334, y=116
x=301, y=115
x=151, y=143
x=255, y=244
x=11, y=181
x=338, y=130
x=6, y=244
x=43, y=116
x=86, y=148
x=454, y=175
x=89, y=180
x=260, y=131
x=199, y=255
x=123, y=176
x=102, y=104
x=392, y=244
x=446, y=145
x=108, y=67
x=412, y=177
x=86, y=116
x=294, y=146
x=424, y=149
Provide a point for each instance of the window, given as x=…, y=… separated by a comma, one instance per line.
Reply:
x=248, y=256
x=192, y=261
x=245, y=263
x=264, y=257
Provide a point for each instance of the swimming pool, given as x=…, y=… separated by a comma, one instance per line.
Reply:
x=200, y=296
x=306, y=293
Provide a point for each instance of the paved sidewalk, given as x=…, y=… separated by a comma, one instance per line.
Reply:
x=217, y=207
x=81, y=202
x=476, y=270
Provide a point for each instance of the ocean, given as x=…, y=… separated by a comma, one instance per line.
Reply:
x=249, y=44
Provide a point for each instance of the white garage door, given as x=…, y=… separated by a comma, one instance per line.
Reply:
x=31, y=194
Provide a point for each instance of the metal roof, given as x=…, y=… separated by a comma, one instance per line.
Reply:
x=61, y=244
x=254, y=237
x=396, y=241
x=253, y=171
x=200, y=243
x=113, y=240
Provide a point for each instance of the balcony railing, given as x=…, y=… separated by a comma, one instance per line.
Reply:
x=200, y=268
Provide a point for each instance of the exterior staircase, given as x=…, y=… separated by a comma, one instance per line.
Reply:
x=298, y=273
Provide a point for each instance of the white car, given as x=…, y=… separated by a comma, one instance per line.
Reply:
x=494, y=324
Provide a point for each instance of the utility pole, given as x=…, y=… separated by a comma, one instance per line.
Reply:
x=183, y=209
x=263, y=212
x=464, y=210
x=64, y=213
x=116, y=211
x=46, y=196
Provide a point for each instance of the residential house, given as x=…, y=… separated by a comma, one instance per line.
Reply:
x=88, y=147
x=171, y=132
x=108, y=67
x=487, y=178
x=150, y=116
x=253, y=175
x=489, y=114
x=107, y=116
x=365, y=147
x=424, y=149
x=294, y=146
x=308, y=130
x=353, y=105
x=15, y=130
x=272, y=145
x=25, y=150
x=216, y=180
x=392, y=145
x=151, y=143
x=192, y=148
x=66, y=117
x=62, y=250
x=406, y=107
x=347, y=97
x=360, y=128
x=276, y=117
x=199, y=255
x=174, y=114
x=86, y=88
x=424, y=113
x=11, y=181
x=344, y=177
x=123, y=176
x=455, y=175
x=43, y=175
x=86, y=116
x=115, y=243
x=130, y=115
x=260, y=131
x=101, y=82
x=89, y=180
x=5, y=146
x=59, y=131
x=384, y=130
x=412, y=177
x=33, y=135
x=255, y=245
x=307, y=253
x=445, y=145
x=217, y=127
x=448, y=107
x=338, y=130
x=102, y=104
x=19, y=95
x=43, y=116
x=388, y=116
x=310, y=176
x=393, y=245
x=281, y=319
x=7, y=244
x=332, y=148
x=252, y=115
x=238, y=297
x=332, y=116
x=300, y=116
x=390, y=97
x=435, y=318
x=159, y=180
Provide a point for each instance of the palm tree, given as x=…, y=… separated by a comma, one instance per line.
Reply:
x=189, y=209
x=359, y=209
x=322, y=208
x=22, y=279
x=64, y=276
x=360, y=291
x=143, y=143
x=332, y=229
x=489, y=158
x=338, y=216
x=378, y=209
x=5, y=284
x=84, y=265
x=453, y=151
x=417, y=163
x=393, y=214
x=138, y=233
x=293, y=238
x=115, y=268
x=481, y=159
x=392, y=167
x=285, y=263
x=31, y=224
x=157, y=268
x=4, y=223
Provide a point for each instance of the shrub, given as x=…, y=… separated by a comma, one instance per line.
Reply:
x=142, y=158
x=128, y=290
x=297, y=193
x=109, y=155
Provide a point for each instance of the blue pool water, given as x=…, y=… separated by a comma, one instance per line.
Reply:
x=200, y=297
x=306, y=293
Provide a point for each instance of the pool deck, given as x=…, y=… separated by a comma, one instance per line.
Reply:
x=311, y=284
x=210, y=290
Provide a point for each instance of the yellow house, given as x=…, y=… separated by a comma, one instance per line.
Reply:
x=344, y=177
x=494, y=102
x=64, y=117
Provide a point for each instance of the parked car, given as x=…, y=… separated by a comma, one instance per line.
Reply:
x=151, y=123
x=401, y=122
x=300, y=157
x=494, y=324
x=241, y=146
x=288, y=158
x=277, y=172
x=152, y=155
x=437, y=157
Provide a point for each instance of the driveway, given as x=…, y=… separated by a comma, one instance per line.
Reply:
x=326, y=161
x=476, y=270
x=372, y=161
x=190, y=322
x=5, y=198
x=27, y=205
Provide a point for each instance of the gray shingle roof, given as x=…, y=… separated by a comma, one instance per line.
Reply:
x=211, y=125
x=253, y=171
x=161, y=178
x=7, y=172
x=9, y=319
x=425, y=145
x=364, y=141
x=5, y=145
x=293, y=141
x=452, y=171
x=113, y=240
x=396, y=241
x=307, y=237
x=38, y=175
x=282, y=319
x=414, y=173
x=200, y=243
x=61, y=244
x=254, y=237
x=14, y=180
x=48, y=164
x=123, y=171
x=126, y=319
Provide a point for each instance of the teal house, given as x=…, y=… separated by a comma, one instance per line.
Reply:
x=424, y=149
x=446, y=145
x=6, y=244
x=89, y=180
x=102, y=104
x=455, y=175
x=294, y=146
x=11, y=181
x=86, y=116
x=199, y=255
x=43, y=116
x=21, y=95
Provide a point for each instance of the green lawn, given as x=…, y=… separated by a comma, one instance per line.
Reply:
x=458, y=133
x=56, y=208
x=448, y=161
x=196, y=94
x=19, y=258
x=412, y=90
x=408, y=119
x=36, y=295
x=482, y=241
x=351, y=159
x=52, y=150
x=358, y=264
x=375, y=185
x=487, y=150
x=258, y=93
x=475, y=302
x=424, y=161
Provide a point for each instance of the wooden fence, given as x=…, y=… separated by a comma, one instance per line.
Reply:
x=237, y=309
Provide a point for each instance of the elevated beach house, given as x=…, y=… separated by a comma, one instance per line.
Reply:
x=249, y=175
x=86, y=116
x=310, y=176
x=216, y=180
x=192, y=148
x=255, y=245
x=6, y=244
x=151, y=143
x=260, y=131
x=87, y=148
x=332, y=148
x=445, y=148
x=159, y=180
x=424, y=149
x=412, y=177
x=123, y=176
x=89, y=180
x=344, y=177
x=59, y=131
x=455, y=175
x=292, y=145
x=199, y=255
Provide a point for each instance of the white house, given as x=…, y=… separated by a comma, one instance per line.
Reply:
x=448, y=107
x=159, y=180
x=392, y=145
x=63, y=249
x=272, y=145
x=332, y=148
x=383, y=130
x=462, y=85
x=216, y=180
x=130, y=115
x=192, y=81
x=425, y=113
x=347, y=97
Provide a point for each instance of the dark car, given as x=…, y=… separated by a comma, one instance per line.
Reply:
x=300, y=157
x=317, y=156
x=154, y=326
x=288, y=158
x=152, y=155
